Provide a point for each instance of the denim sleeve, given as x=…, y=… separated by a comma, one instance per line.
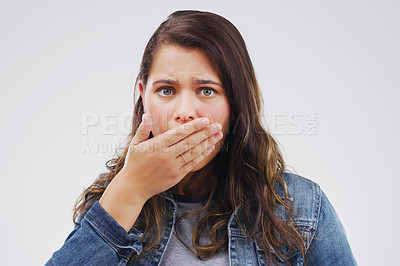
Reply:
x=97, y=240
x=329, y=245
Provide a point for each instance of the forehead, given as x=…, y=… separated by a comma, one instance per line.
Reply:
x=174, y=61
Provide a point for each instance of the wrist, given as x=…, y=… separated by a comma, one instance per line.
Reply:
x=130, y=191
x=121, y=203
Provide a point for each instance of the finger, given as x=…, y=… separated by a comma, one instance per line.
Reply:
x=196, y=138
x=203, y=146
x=185, y=169
x=176, y=134
x=143, y=131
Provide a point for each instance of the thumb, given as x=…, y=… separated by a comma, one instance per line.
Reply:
x=143, y=131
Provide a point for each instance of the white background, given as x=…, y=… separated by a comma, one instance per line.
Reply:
x=62, y=60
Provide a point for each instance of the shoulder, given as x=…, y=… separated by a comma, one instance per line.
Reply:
x=305, y=196
x=320, y=226
x=297, y=184
x=300, y=189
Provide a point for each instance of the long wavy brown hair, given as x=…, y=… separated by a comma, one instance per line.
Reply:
x=246, y=170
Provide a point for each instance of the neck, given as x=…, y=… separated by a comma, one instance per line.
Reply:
x=196, y=186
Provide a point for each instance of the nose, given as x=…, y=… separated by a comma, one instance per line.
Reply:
x=186, y=107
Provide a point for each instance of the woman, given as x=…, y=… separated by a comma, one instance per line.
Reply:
x=201, y=181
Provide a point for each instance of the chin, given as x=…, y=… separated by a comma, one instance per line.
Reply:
x=200, y=165
x=206, y=160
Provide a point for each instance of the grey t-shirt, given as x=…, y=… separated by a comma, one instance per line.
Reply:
x=177, y=253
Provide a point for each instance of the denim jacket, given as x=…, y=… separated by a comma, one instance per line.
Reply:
x=100, y=240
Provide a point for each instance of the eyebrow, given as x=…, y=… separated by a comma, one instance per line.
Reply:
x=198, y=81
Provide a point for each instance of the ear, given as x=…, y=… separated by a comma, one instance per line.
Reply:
x=142, y=90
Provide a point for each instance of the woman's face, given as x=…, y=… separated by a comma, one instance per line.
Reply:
x=182, y=85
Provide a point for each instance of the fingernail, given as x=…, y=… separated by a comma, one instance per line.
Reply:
x=145, y=119
x=205, y=121
x=218, y=135
x=217, y=127
x=211, y=148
